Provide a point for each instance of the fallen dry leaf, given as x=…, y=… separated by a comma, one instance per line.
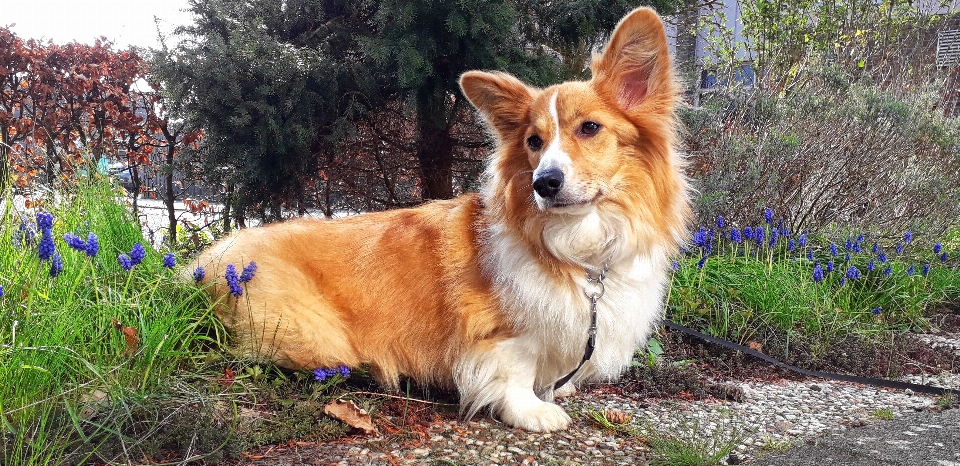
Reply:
x=351, y=414
x=617, y=417
x=754, y=346
x=130, y=334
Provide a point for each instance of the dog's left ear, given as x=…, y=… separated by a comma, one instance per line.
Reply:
x=635, y=66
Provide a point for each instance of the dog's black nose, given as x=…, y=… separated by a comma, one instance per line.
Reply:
x=548, y=182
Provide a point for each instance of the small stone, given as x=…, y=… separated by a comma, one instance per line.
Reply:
x=733, y=458
x=816, y=387
x=420, y=452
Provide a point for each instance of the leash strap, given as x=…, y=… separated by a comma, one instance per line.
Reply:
x=592, y=332
x=823, y=375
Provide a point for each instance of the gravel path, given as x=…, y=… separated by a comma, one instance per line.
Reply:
x=771, y=417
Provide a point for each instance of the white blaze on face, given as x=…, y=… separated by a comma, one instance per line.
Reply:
x=554, y=156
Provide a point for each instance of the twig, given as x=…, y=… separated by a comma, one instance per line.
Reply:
x=406, y=398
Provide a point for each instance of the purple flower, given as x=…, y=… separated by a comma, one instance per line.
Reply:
x=871, y=265
x=758, y=235
x=702, y=262
x=810, y=254
x=333, y=372
x=198, y=274
x=735, y=235
x=791, y=245
x=833, y=250
x=910, y=270
x=768, y=215
x=802, y=241
x=829, y=266
x=46, y=249
x=319, y=374
x=233, y=281
x=876, y=311
x=56, y=265
x=943, y=257
x=675, y=266
x=75, y=242
x=899, y=248
x=125, y=262
x=843, y=281
x=169, y=260
x=888, y=271
x=857, y=248
x=44, y=221
x=876, y=248
x=937, y=248
x=1, y=291
x=908, y=237
x=344, y=371
x=882, y=257
x=748, y=233
x=817, y=273
x=720, y=223
x=860, y=238
x=248, y=272
x=853, y=273
x=700, y=238
x=93, y=246
x=848, y=245
x=774, y=236
x=137, y=253
x=926, y=270
x=25, y=234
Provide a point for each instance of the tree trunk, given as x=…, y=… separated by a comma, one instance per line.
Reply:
x=168, y=196
x=435, y=149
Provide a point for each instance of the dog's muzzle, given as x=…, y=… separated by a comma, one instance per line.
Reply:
x=548, y=183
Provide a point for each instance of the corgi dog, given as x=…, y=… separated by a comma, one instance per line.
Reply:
x=552, y=275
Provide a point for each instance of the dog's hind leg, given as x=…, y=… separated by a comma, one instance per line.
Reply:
x=503, y=378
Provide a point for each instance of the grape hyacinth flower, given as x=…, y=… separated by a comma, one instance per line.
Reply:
x=810, y=254
x=702, y=262
x=774, y=237
x=871, y=265
x=137, y=253
x=768, y=215
x=720, y=222
x=735, y=235
x=910, y=270
x=833, y=250
x=888, y=271
x=829, y=266
x=233, y=281
x=876, y=248
x=908, y=237
x=877, y=310
x=802, y=241
x=899, y=248
x=817, y=273
x=248, y=272
x=319, y=374
x=26, y=233
x=791, y=245
x=344, y=371
x=1, y=291
x=848, y=245
x=943, y=257
x=843, y=281
x=675, y=266
x=93, y=246
x=747, y=234
x=700, y=238
x=125, y=262
x=199, y=274
x=937, y=248
x=853, y=273
x=759, y=235
x=169, y=260
x=75, y=242
x=926, y=270
x=860, y=238
x=44, y=221
x=46, y=249
x=56, y=265
x=882, y=257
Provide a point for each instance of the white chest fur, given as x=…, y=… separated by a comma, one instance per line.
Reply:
x=553, y=315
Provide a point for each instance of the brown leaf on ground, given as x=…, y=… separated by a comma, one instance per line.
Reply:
x=351, y=414
x=130, y=334
x=754, y=346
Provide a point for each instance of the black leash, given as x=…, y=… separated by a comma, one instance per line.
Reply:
x=592, y=333
x=823, y=375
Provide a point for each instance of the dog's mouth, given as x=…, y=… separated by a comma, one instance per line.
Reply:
x=568, y=205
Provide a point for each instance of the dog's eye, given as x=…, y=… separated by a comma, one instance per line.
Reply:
x=589, y=128
x=534, y=143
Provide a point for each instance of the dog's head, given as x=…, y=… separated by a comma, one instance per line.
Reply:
x=601, y=149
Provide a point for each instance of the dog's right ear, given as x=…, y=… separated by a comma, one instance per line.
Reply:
x=503, y=100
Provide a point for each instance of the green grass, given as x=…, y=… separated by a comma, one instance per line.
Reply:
x=69, y=381
x=749, y=292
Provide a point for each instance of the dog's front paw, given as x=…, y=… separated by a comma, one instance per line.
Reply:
x=536, y=417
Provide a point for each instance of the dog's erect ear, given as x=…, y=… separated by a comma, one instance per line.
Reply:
x=502, y=99
x=635, y=65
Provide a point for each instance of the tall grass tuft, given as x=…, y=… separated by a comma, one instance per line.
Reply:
x=81, y=336
x=751, y=282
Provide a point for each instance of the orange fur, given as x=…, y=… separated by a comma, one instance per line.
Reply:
x=485, y=292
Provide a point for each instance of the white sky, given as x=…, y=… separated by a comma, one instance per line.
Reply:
x=125, y=22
